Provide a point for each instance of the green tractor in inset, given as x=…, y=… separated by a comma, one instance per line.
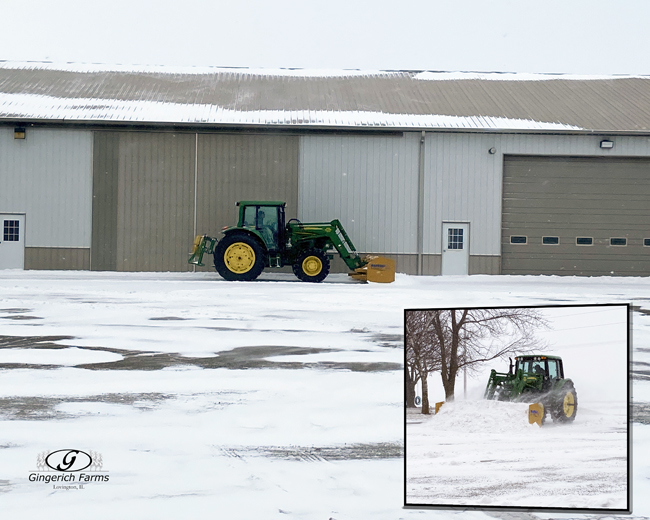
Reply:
x=263, y=239
x=538, y=379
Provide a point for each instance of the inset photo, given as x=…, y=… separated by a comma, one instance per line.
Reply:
x=519, y=408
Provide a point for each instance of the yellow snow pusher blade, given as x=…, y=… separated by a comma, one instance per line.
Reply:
x=536, y=413
x=197, y=250
x=197, y=243
x=378, y=269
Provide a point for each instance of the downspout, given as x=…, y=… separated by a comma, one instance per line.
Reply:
x=92, y=201
x=196, y=183
x=420, y=217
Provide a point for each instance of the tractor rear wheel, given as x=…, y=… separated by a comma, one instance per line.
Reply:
x=312, y=265
x=565, y=404
x=239, y=257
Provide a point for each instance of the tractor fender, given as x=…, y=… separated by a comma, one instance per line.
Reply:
x=559, y=383
x=246, y=231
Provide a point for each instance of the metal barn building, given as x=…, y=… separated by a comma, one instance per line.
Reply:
x=118, y=168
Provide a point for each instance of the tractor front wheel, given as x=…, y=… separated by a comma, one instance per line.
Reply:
x=565, y=404
x=312, y=265
x=239, y=257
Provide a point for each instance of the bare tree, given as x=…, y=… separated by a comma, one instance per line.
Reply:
x=411, y=378
x=449, y=340
x=422, y=356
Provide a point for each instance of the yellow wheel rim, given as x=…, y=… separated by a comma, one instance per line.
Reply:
x=239, y=258
x=312, y=265
x=569, y=404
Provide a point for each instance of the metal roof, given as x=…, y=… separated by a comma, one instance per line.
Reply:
x=304, y=98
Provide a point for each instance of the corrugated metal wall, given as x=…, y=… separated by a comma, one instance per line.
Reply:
x=48, y=177
x=145, y=185
x=243, y=167
x=143, y=215
x=369, y=183
x=154, y=191
x=463, y=182
x=105, y=181
x=155, y=201
x=75, y=258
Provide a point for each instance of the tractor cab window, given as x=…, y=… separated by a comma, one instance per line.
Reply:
x=539, y=368
x=266, y=222
x=524, y=365
x=552, y=369
x=530, y=366
x=249, y=216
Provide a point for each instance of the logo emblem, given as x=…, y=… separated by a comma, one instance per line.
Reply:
x=68, y=460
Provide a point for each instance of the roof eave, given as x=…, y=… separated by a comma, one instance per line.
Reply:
x=303, y=128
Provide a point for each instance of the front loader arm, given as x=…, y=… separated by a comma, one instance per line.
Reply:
x=341, y=241
x=322, y=235
x=327, y=233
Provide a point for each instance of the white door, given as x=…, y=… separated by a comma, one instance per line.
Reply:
x=12, y=241
x=455, y=248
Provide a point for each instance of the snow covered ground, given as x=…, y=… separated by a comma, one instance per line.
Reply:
x=271, y=399
x=477, y=453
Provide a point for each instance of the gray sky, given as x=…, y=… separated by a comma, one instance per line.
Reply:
x=566, y=36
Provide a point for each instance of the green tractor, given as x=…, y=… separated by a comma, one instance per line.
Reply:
x=538, y=379
x=262, y=239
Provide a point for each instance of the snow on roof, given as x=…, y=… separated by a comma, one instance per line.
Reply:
x=304, y=73
x=516, y=76
x=78, y=109
x=342, y=98
x=171, y=69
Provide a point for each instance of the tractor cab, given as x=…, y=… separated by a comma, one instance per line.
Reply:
x=267, y=218
x=548, y=368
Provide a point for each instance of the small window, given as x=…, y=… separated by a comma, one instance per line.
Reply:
x=249, y=216
x=618, y=241
x=11, y=231
x=646, y=242
x=518, y=240
x=455, y=238
x=550, y=241
x=584, y=241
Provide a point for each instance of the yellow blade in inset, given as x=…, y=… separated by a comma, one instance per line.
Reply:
x=536, y=413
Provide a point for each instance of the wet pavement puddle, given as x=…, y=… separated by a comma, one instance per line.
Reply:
x=239, y=358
